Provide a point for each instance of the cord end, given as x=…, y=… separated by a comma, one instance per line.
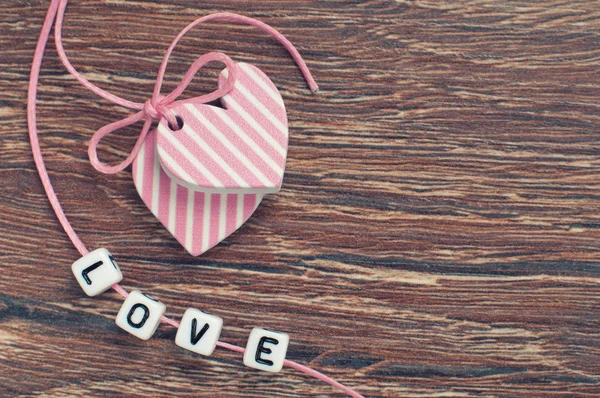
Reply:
x=314, y=87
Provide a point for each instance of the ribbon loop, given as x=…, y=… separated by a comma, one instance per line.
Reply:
x=109, y=128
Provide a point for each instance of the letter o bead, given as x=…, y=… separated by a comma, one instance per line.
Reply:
x=266, y=350
x=96, y=272
x=140, y=315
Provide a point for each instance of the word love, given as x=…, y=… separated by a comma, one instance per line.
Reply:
x=198, y=331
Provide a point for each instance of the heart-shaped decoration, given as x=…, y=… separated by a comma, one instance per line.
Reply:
x=240, y=149
x=197, y=220
x=206, y=179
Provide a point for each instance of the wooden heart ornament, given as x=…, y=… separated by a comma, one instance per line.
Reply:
x=206, y=179
x=239, y=149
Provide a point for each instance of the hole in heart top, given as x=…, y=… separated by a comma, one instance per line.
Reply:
x=179, y=124
x=238, y=149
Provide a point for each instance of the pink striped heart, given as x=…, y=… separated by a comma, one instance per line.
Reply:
x=241, y=149
x=197, y=220
x=205, y=180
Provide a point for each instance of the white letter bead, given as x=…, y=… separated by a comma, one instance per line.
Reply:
x=96, y=272
x=140, y=315
x=266, y=350
x=199, y=332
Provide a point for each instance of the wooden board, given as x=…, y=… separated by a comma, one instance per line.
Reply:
x=438, y=231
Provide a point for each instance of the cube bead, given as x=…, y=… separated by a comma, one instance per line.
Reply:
x=140, y=315
x=96, y=272
x=266, y=350
x=199, y=332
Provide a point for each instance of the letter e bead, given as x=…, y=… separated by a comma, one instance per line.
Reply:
x=140, y=315
x=266, y=350
x=199, y=332
x=96, y=272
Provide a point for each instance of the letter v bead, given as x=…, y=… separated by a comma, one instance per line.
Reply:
x=199, y=332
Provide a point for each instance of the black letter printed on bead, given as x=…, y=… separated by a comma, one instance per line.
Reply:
x=112, y=260
x=89, y=269
x=262, y=349
x=195, y=338
x=141, y=323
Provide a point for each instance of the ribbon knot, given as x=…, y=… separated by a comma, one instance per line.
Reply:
x=156, y=109
x=159, y=107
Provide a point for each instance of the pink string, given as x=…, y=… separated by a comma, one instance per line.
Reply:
x=156, y=107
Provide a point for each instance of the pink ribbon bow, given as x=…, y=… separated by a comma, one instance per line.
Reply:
x=159, y=106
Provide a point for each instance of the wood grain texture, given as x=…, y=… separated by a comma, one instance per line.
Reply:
x=438, y=231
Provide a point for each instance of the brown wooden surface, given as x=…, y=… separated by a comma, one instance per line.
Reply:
x=438, y=231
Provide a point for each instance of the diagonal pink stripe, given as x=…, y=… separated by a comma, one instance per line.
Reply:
x=280, y=137
x=262, y=95
x=210, y=112
x=187, y=166
x=258, y=91
x=201, y=153
x=263, y=76
x=232, y=160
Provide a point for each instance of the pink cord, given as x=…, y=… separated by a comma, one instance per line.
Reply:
x=158, y=106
